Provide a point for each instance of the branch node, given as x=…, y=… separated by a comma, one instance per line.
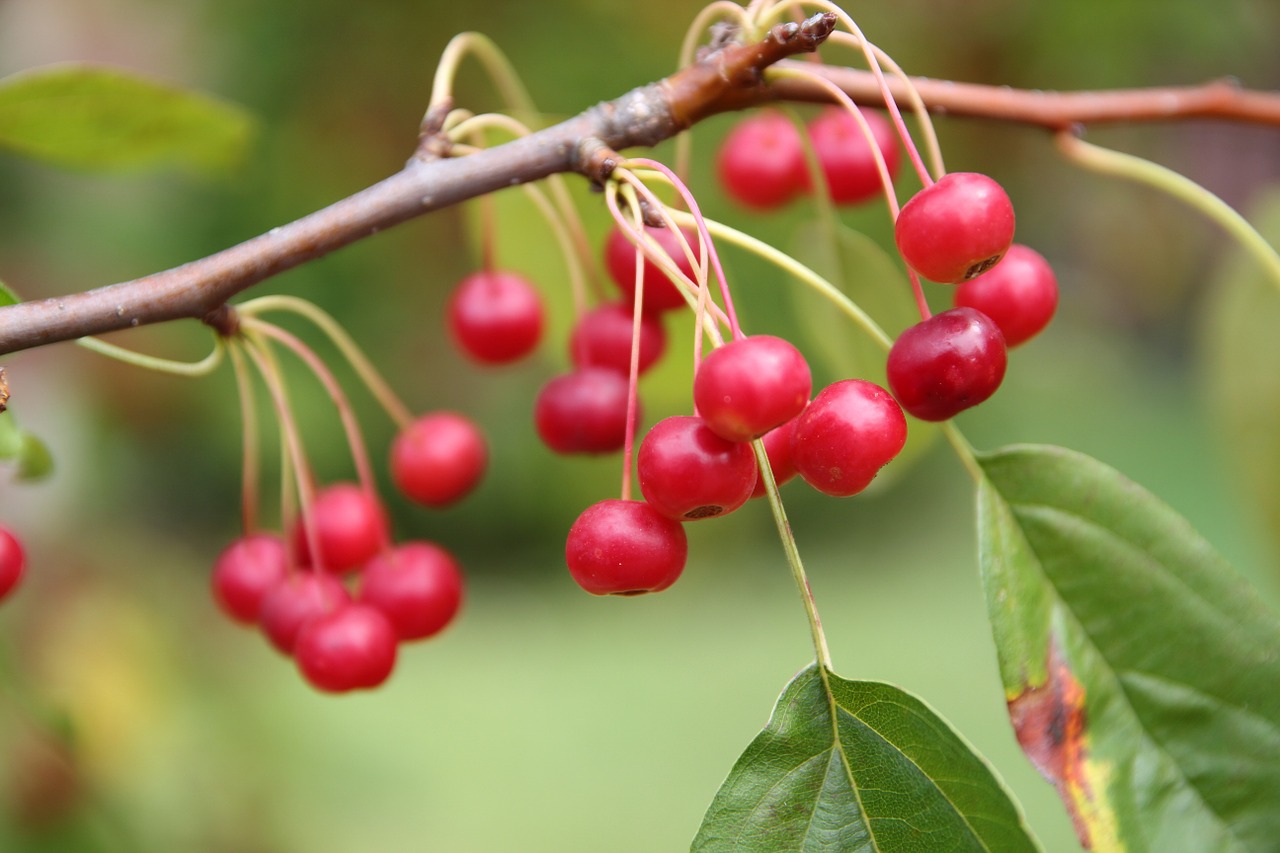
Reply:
x=224, y=320
x=596, y=160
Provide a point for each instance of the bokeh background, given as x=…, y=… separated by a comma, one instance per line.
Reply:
x=134, y=718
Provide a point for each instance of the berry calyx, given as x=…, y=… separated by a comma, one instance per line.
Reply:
x=842, y=439
x=777, y=446
x=245, y=572
x=350, y=648
x=751, y=385
x=438, y=459
x=602, y=338
x=584, y=411
x=946, y=364
x=660, y=294
x=1020, y=294
x=12, y=562
x=295, y=601
x=687, y=472
x=495, y=317
x=955, y=229
x=622, y=547
x=761, y=162
x=350, y=527
x=846, y=157
x=417, y=586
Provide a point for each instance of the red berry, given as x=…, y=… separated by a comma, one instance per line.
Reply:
x=602, y=338
x=946, y=364
x=846, y=435
x=846, y=157
x=751, y=385
x=351, y=648
x=1019, y=294
x=350, y=525
x=761, y=162
x=687, y=472
x=295, y=601
x=438, y=459
x=660, y=294
x=418, y=586
x=956, y=228
x=619, y=547
x=12, y=562
x=584, y=411
x=495, y=317
x=777, y=446
x=246, y=571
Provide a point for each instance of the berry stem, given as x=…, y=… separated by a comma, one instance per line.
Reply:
x=203, y=367
x=503, y=74
x=249, y=471
x=964, y=450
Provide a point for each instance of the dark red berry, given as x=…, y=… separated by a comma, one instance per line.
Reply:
x=761, y=162
x=418, y=586
x=846, y=157
x=846, y=435
x=584, y=411
x=438, y=459
x=660, y=294
x=777, y=446
x=946, y=364
x=1019, y=294
x=687, y=472
x=751, y=385
x=12, y=562
x=295, y=601
x=350, y=526
x=956, y=228
x=619, y=547
x=246, y=571
x=495, y=317
x=602, y=338
x=350, y=648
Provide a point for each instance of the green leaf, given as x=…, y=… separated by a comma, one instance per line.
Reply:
x=32, y=456
x=7, y=296
x=854, y=766
x=1142, y=673
x=108, y=119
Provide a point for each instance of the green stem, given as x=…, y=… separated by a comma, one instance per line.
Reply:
x=203, y=367
x=500, y=70
x=249, y=480
x=964, y=450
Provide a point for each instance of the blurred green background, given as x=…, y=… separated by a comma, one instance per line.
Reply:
x=134, y=718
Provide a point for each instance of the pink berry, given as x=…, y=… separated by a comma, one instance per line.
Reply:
x=846, y=435
x=495, y=317
x=350, y=648
x=751, y=385
x=295, y=601
x=584, y=411
x=846, y=157
x=761, y=162
x=246, y=571
x=602, y=338
x=956, y=228
x=660, y=294
x=777, y=446
x=438, y=459
x=687, y=472
x=418, y=587
x=350, y=525
x=1019, y=294
x=946, y=364
x=12, y=562
x=619, y=547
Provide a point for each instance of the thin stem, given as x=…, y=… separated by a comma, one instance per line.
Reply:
x=249, y=471
x=203, y=367
x=964, y=450
x=500, y=70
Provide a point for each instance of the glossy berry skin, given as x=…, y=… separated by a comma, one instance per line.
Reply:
x=687, y=472
x=350, y=648
x=761, y=162
x=495, y=317
x=619, y=547
x=295, y=601
x=1020, y=294
x=417, y=586
x=851, y=430
x=583, y=412
x=777, y=446
x=846, y=158
x=955, y=229
x=350, y=524
x=245, y=572
x=660, y=294
x=439, y=459
x=602, y=338
x=751, y=385
x=946, y=364
x=13, y=561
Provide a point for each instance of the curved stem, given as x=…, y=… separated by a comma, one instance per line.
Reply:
x=495, y=62
x=249, y=480
x=203, y=367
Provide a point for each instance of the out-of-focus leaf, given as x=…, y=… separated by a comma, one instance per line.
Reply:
x=859, y=766
x=7, y=296
x=22, y=447
x=1141, y=671
x=107, y=119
